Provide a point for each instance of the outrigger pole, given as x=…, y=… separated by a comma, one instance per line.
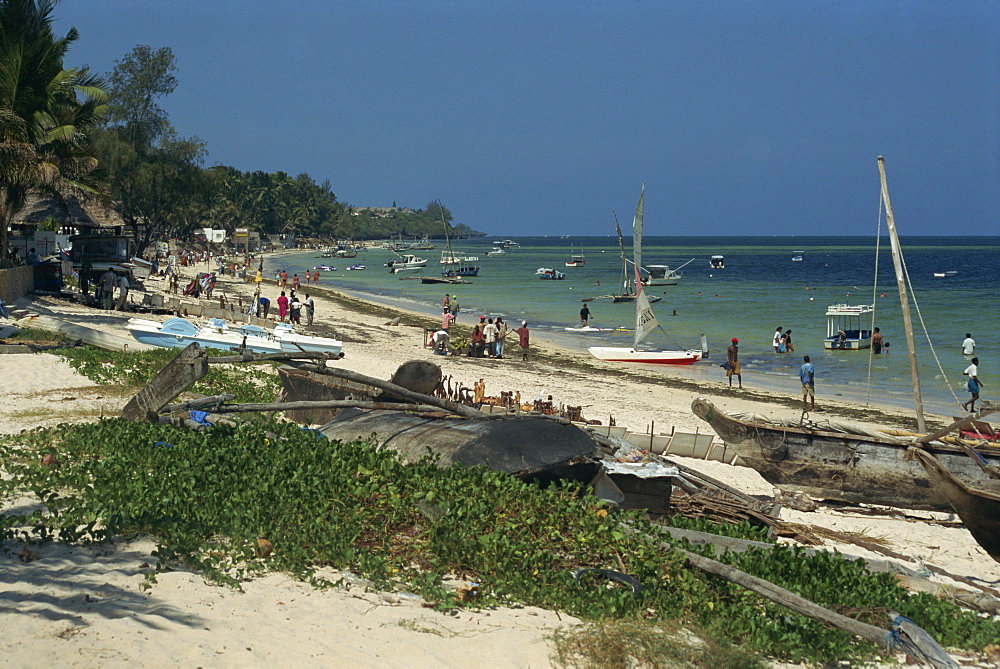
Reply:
x=897, y=261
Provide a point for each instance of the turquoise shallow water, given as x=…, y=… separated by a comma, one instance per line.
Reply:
x=759, y=289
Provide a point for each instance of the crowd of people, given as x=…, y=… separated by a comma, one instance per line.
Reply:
x=488, y=338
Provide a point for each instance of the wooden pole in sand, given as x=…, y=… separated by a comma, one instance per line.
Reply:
x=897, y=261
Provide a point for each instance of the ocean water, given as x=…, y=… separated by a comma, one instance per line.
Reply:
x=759, y=289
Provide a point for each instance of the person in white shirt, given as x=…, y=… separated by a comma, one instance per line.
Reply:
x=123, y=286
x=972, y=371
x=490, y=338
x=969, y=345
x=777, y=340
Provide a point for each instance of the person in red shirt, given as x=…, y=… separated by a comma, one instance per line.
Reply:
x=522, y=339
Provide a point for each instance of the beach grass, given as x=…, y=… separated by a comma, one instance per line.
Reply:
x=210, y=498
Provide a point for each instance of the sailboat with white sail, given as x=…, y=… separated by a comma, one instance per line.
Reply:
x=645, y=319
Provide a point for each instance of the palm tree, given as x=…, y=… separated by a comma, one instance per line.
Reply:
x=43, y=123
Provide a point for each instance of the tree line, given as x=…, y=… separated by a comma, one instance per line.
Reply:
x=70, y=132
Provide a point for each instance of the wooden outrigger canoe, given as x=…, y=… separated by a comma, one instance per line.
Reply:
x=978, y=507
x=852, y=468
x=530, y=447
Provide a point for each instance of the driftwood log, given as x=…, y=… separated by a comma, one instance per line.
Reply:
x=175, y=377
x=777, y=594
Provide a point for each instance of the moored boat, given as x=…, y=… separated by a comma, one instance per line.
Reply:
x=549, y=273
x=845, y=328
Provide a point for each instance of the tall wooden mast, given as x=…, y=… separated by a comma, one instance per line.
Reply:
x=897, y=262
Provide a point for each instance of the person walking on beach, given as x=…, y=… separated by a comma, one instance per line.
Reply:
x=522, y=339
x=777, y=340
x=807, y=374
x=295, y=310
x=282, y=306
x=446, y=302
x=283, y=280
x=969, y=345
x=733, y=362
x=584, y=316
x=972, y=371
x=454, y=306
x=310, y=309
x=295, y=282
x=876, y=342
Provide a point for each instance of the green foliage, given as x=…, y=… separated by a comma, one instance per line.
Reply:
x=248, y=383
x=210, y=496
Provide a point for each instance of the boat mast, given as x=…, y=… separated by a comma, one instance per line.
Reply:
x=897, y=261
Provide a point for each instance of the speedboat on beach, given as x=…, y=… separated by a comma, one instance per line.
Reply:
x=180, y=332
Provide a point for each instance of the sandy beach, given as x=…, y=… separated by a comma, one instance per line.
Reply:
x=83, y=605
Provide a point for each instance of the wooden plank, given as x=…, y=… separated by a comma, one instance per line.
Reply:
x=175, y=377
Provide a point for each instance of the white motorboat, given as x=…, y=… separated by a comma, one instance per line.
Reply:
x=180, y=332
x=645, y=319
x=406, y=263
x=717, y=262
x=549, y=273
x=662, y=275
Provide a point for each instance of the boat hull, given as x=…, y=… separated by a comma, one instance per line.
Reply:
x=979, y=509
x=534, y=448
x=622, y=354
x=179, y=333
x=845, y=467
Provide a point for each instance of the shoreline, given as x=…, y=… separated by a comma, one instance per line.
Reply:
x=780, y=391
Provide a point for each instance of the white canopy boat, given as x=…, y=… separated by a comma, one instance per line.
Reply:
x=406, y=263
x=645, y=320
x=849, y=326
x=180, y=332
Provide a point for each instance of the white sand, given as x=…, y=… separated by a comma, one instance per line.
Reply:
x=84, y=605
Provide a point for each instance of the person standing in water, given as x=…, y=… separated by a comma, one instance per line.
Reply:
x=876, y=342
x=584, y=316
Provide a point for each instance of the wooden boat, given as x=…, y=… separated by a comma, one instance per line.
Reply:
x=645, y=320
x=529, y=447
x=532, y=447
x=978, y=507
x=855, y=468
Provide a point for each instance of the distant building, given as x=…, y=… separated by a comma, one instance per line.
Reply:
x=379, y=212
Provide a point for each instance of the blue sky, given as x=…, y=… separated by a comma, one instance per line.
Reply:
x=743, y=118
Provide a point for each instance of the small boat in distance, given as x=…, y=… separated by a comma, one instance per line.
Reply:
x=845, y=329
x=662, y=275
x=406, y=263
x=797, y=258
x=942, y=275
x=576, y=260
x=549, y=273
x=717, y=262
x=357, y=267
